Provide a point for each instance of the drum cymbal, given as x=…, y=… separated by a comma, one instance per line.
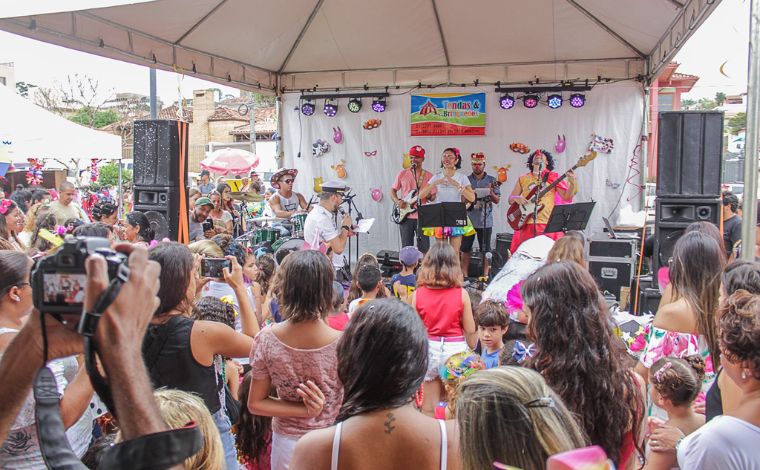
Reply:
x=247, y=197
x=266, y=219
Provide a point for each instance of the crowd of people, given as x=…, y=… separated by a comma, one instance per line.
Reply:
x=281, y=365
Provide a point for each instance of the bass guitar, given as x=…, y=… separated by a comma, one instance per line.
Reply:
x=398, y=214
x=518, y=214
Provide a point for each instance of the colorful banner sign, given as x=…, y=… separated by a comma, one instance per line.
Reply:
x=448, y=114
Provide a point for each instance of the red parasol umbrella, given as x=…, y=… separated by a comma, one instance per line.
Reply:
x=230, y=162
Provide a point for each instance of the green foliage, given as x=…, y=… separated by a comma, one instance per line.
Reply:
x=720, y=98
x=22, y=88
x=109, y=175
x=687, y=103
x=94, y=118
x=737, y=123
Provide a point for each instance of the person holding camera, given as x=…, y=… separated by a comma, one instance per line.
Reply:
x=117, y=338
x=199, y=228
x=179, y=350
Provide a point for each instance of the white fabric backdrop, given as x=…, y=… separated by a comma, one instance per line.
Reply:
x=613, y=110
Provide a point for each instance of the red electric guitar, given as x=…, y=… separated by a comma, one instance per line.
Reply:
x=518, y=214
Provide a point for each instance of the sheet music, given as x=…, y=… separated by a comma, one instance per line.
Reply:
x=363, y=225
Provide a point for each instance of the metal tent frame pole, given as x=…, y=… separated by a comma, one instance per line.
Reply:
x=753, y=120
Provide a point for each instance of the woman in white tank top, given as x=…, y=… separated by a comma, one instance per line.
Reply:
x=378, y=425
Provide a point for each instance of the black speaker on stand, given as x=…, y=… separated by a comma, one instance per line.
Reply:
x=160, y=176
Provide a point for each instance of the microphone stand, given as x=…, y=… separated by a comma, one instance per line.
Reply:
x=538, y=190
x=417, y=228
x=348, y=199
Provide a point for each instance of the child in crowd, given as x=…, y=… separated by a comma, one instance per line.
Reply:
x=405, y=282
x=674, y=385
x=227, y=370
x=492, y=320
x=453, y=372
x=338, y=318
x=260, y=272
x=254, y=434
x=354, y=291
x=371, y=283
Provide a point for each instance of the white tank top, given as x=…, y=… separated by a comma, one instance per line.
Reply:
x=288, y=204
x=339, y=429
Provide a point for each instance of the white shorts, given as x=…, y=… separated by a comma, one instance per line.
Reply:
x=282, y=450
x=439, y=351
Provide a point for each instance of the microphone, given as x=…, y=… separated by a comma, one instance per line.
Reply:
x=414, y=166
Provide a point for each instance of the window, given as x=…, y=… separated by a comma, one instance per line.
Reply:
x=665, y=102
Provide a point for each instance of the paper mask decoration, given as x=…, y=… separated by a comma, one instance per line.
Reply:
x=519, y=147
x=319, y=148
x=501, y=173
x=337, y=135
x=318, y=180
x=340, y=169
x=559, y=147
x=601, y=144
x=370, y=154
x=372, y=124
x=377, y=194
x=407, y=162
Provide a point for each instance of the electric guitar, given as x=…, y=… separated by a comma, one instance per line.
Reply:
x=398, y=214
x=518, y=214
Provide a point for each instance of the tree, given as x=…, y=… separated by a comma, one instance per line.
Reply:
x=687, y=103
x=737, y=123
x=93, y=118
x=109, y=175
x=720, y=98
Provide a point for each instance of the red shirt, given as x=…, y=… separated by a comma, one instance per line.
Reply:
x=441, y=310
x=338, y=322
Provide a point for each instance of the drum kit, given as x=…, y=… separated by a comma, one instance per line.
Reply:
x=275, y=235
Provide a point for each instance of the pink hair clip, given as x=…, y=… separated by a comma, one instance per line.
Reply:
x=5, y=206
x=658, y=374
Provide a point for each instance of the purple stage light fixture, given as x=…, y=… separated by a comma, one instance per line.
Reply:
x=507, y=102
x=355, y=105
x=378, y=105
x=577, y=100
x=554, y=101
x=330, y=108
x=307, y=108
x=530, y=101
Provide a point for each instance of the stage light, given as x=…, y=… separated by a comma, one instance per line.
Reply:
x=378, y=105
x=530, y=101
x=355, y=105
x=307, y=108
x=330, y=108
x=577, y=100
x=507, y=102
x=554, y=101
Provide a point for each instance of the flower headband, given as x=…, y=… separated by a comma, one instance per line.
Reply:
x=658, y=374
x=5, y=206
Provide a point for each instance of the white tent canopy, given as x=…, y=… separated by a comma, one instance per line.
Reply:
x=37, y=133
x=302, y=44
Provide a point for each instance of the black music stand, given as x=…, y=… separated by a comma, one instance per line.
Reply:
x=569, y=217
x=443, y=214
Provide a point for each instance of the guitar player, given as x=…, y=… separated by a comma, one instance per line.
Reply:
x=479, y=179
x=408, y=182
x=540, y=162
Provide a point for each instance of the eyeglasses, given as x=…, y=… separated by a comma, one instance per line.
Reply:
x=287, y=181
x=6, y=289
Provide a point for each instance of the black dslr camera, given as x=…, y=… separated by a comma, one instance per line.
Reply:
x=58, y=280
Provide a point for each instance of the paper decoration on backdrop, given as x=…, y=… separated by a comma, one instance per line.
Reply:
x=633, y=172
x=610, y=184
x=501, y=173
x=370, y=124
x=601, y=144
x=722, y=69
x=559, y=146
x=406, y=163
x=448, y=114
x=319, y=148
x=340, y=169
x=371, y=153
x=318, y=180
x=519, y=147
x=34, y=173
x=377, y=194
x=337, y=135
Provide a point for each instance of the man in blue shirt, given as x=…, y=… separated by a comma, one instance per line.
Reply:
x=481, y=212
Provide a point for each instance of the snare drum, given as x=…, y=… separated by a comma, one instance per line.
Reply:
x=298, y=221
x=266, y=234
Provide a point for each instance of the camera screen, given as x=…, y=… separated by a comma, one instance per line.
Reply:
x=213, y=267
x=63, y=289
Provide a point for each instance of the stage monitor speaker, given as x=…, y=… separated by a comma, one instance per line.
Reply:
x=157, y=149
x=613, y=248
x=689, y=153
x=161, y=206
x=673, y=215
x=389, y=262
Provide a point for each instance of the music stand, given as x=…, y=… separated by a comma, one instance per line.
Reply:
x=569, y=217
x=443, y=214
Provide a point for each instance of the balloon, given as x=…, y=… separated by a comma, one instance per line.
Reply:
x=337, y=135
x=561, y=143
x=377, y=194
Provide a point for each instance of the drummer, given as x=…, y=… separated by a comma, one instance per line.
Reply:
x=286, y=202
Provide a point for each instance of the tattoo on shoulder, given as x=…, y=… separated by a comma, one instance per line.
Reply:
x=389, y=423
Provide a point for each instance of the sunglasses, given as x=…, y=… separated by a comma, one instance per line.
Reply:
x=287, y=181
